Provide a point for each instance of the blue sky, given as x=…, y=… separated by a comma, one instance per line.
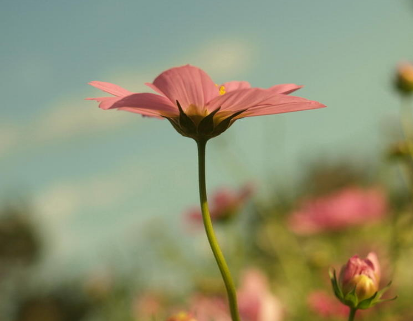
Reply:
x=95, y=177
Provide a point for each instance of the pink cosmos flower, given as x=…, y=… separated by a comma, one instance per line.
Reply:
x=361, y=274
x=196, y=106
x=327, y=306
x=225, y=204
x=347, y=207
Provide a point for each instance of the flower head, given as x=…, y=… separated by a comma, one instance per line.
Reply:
x=348, y=207
x=226, y=203
x=197, y=107
x=358, y=282
x=256, y=301
x=404, y=78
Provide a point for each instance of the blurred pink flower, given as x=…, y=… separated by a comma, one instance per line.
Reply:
x=206, y=308
x=327, y=306
x=146, y=306
x=255, y=300
x=182, y=316
x=225, y=204
x=196, y=106
x=347, y=207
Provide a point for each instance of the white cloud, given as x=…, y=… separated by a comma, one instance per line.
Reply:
x=67, y=119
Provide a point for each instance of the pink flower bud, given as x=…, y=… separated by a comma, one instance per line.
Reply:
x=361, y=275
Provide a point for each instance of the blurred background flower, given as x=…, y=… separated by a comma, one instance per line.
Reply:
x=342, y=209
x=225, y=204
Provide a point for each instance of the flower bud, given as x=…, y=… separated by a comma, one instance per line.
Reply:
x=361, y=276
x=404, y=78
x=358, y=283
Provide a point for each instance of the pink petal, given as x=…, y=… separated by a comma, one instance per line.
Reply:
x=284, y=88
x=239, y=99
x=143, y=112
x=110, y=88
x=187, y=84
x=105, y=102
x=235, y=85
x=259, y=102
x=372, y=257
x=150, y=103
x=281, y=104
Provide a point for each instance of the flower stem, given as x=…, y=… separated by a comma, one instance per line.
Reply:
x=352, y=314
x=219, y=257
x=407, y=123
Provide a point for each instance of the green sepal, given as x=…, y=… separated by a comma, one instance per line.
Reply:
x=223, y=125
x=351, y=299
x=206, y=126
x=333, y=278
x=184, y=121
x=381, y=292
x=368, y=303
x=376, y=298
x=386, y=300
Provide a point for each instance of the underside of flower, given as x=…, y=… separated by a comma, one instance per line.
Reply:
x=201, y=127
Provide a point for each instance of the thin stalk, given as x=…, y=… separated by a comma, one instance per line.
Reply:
x=352, y=314
x=407, y=123
x=213, y=242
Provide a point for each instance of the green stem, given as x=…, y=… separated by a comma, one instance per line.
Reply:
x=407, y=124
x=219, y=257
x=352, y=314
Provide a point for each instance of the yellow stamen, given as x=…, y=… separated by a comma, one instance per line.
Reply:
x=221, y=89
